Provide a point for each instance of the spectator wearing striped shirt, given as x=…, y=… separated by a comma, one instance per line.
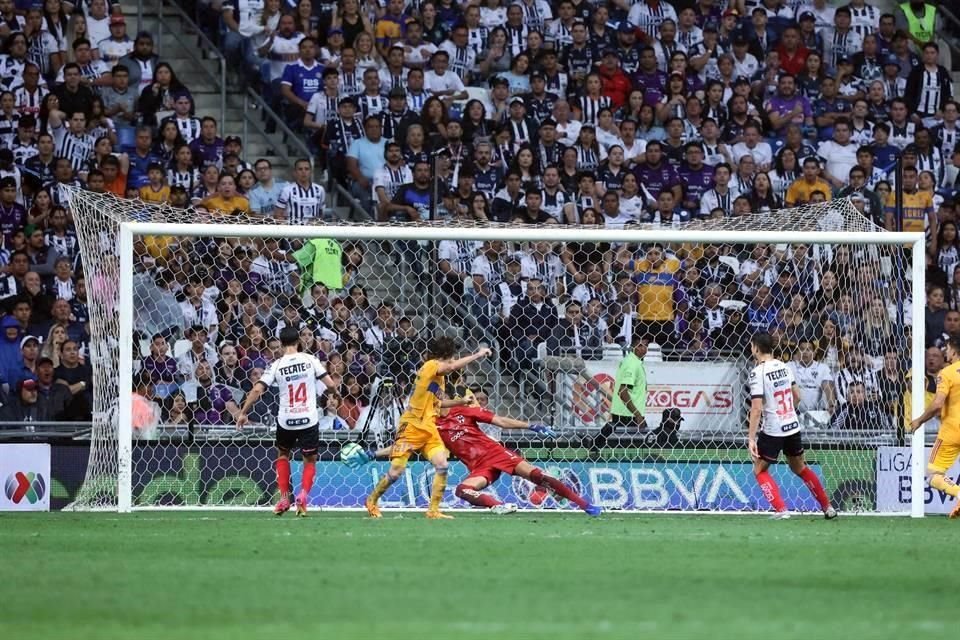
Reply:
x=929, y=87
x=71, y=138
x=302, y=200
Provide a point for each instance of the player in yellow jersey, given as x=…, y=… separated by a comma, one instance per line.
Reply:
x=947, y=403
x=418, y=424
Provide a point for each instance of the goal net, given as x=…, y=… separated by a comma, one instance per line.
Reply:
x=186, y=307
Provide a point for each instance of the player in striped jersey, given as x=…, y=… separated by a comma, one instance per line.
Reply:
x=181, y=172
x=947, y=135
x=29, y=95
x=371, y=102
x=929, y=87
x=302, y=200
x=864, y=18
x=648, y=15
x=72, y=140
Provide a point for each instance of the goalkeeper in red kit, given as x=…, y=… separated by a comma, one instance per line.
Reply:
x=486, y=459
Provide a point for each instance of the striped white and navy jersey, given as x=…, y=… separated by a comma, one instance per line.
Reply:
x=391, y=180
x=946, y=139
x=390, y=80
x=588, y=159
x=932, y=162
x=864, y=20
x=415, y=101
x=42, y=46
x=548, y=269
x=648, y=19
x=188, y=127
x=590, y=108
x=77, y=149
x=188, y=179
x=463, y=60
x=931, y=92
x=65, y=245
x=372, y=105
x=555, y=203
x=351, y=82
x=322, y=107
x=8, y=128
x=535, y=14
x=839, y=44
x=28, y=102
x=274, y=274
x=901, y=136
x=477, y=39
x=517, y=38
x=23, y=151
x=847, y=377
x=459, y=253
x=302, y=204
x=340, y=134
x=11, y=72
x=558, y=36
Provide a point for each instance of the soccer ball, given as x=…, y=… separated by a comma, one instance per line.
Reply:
x=353, y=455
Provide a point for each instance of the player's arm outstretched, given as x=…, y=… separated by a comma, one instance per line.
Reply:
x=252, y=396
x=449, y=366
x=512, y=423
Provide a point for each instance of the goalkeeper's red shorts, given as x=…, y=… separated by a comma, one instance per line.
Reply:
x=491, y=465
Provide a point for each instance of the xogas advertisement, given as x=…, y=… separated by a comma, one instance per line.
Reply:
x=710, y=396
x=25, y=474
x=894, y=481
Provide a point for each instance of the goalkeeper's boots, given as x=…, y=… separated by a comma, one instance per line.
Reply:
x=436, y=514
x=830, y=513
x=592, y=510
x=282, y=507
x=780, y=515
x=372, y=508
x=956, y=512
x=302, y=504
x=503, y=509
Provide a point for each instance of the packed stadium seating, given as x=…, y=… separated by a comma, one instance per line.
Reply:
x=517, y=113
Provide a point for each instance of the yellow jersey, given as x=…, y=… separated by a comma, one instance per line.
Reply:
x=948, y=384
x=219, y=205
x=155, y=196
x=424, y=402
x=655, y=289
x=917, y=208
x=801, y=191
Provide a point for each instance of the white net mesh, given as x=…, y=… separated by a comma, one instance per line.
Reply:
x=557, y=315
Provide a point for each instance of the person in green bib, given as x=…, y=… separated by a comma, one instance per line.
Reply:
x=629, y=395
x=919, y=19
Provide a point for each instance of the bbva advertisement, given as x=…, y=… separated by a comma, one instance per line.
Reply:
x=894, y=482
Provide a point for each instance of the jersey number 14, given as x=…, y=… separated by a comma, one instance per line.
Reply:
x=297, y=394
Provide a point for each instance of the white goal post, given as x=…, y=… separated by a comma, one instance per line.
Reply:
x=388, y=246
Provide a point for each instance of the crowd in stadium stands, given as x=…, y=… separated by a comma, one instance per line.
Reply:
x=520, y=112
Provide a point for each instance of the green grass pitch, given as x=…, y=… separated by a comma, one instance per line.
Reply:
x=231, y=576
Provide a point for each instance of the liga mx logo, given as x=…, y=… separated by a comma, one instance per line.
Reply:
x=27, y=486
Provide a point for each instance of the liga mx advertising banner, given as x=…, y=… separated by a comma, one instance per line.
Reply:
x=711, y=401
x=894, y=481
x=25, y=474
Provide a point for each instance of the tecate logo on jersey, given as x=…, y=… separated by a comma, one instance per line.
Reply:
x=709, y=400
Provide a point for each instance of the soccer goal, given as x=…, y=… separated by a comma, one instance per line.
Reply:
x=185, y=306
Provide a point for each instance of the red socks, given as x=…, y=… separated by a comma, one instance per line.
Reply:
x=771, y=491
x=542, y=479
x=283, y=477
x=476, y=498
x=309, y=471
x=813, y=483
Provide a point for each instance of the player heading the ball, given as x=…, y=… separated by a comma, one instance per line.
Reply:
x=774, y=395
x=295, y=375
x=946, y=402
x=418, y=424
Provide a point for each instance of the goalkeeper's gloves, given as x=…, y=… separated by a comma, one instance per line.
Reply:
x=544, y=430
x=358, y=457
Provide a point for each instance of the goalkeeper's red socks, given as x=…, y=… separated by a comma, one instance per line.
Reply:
x=476, y=498
x=813, y=483
x=771, y=491
x=309, y=471
x=283, y=476
x=558, y=487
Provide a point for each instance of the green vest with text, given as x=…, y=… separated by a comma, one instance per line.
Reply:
x=921, y=28
x=319, y=261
